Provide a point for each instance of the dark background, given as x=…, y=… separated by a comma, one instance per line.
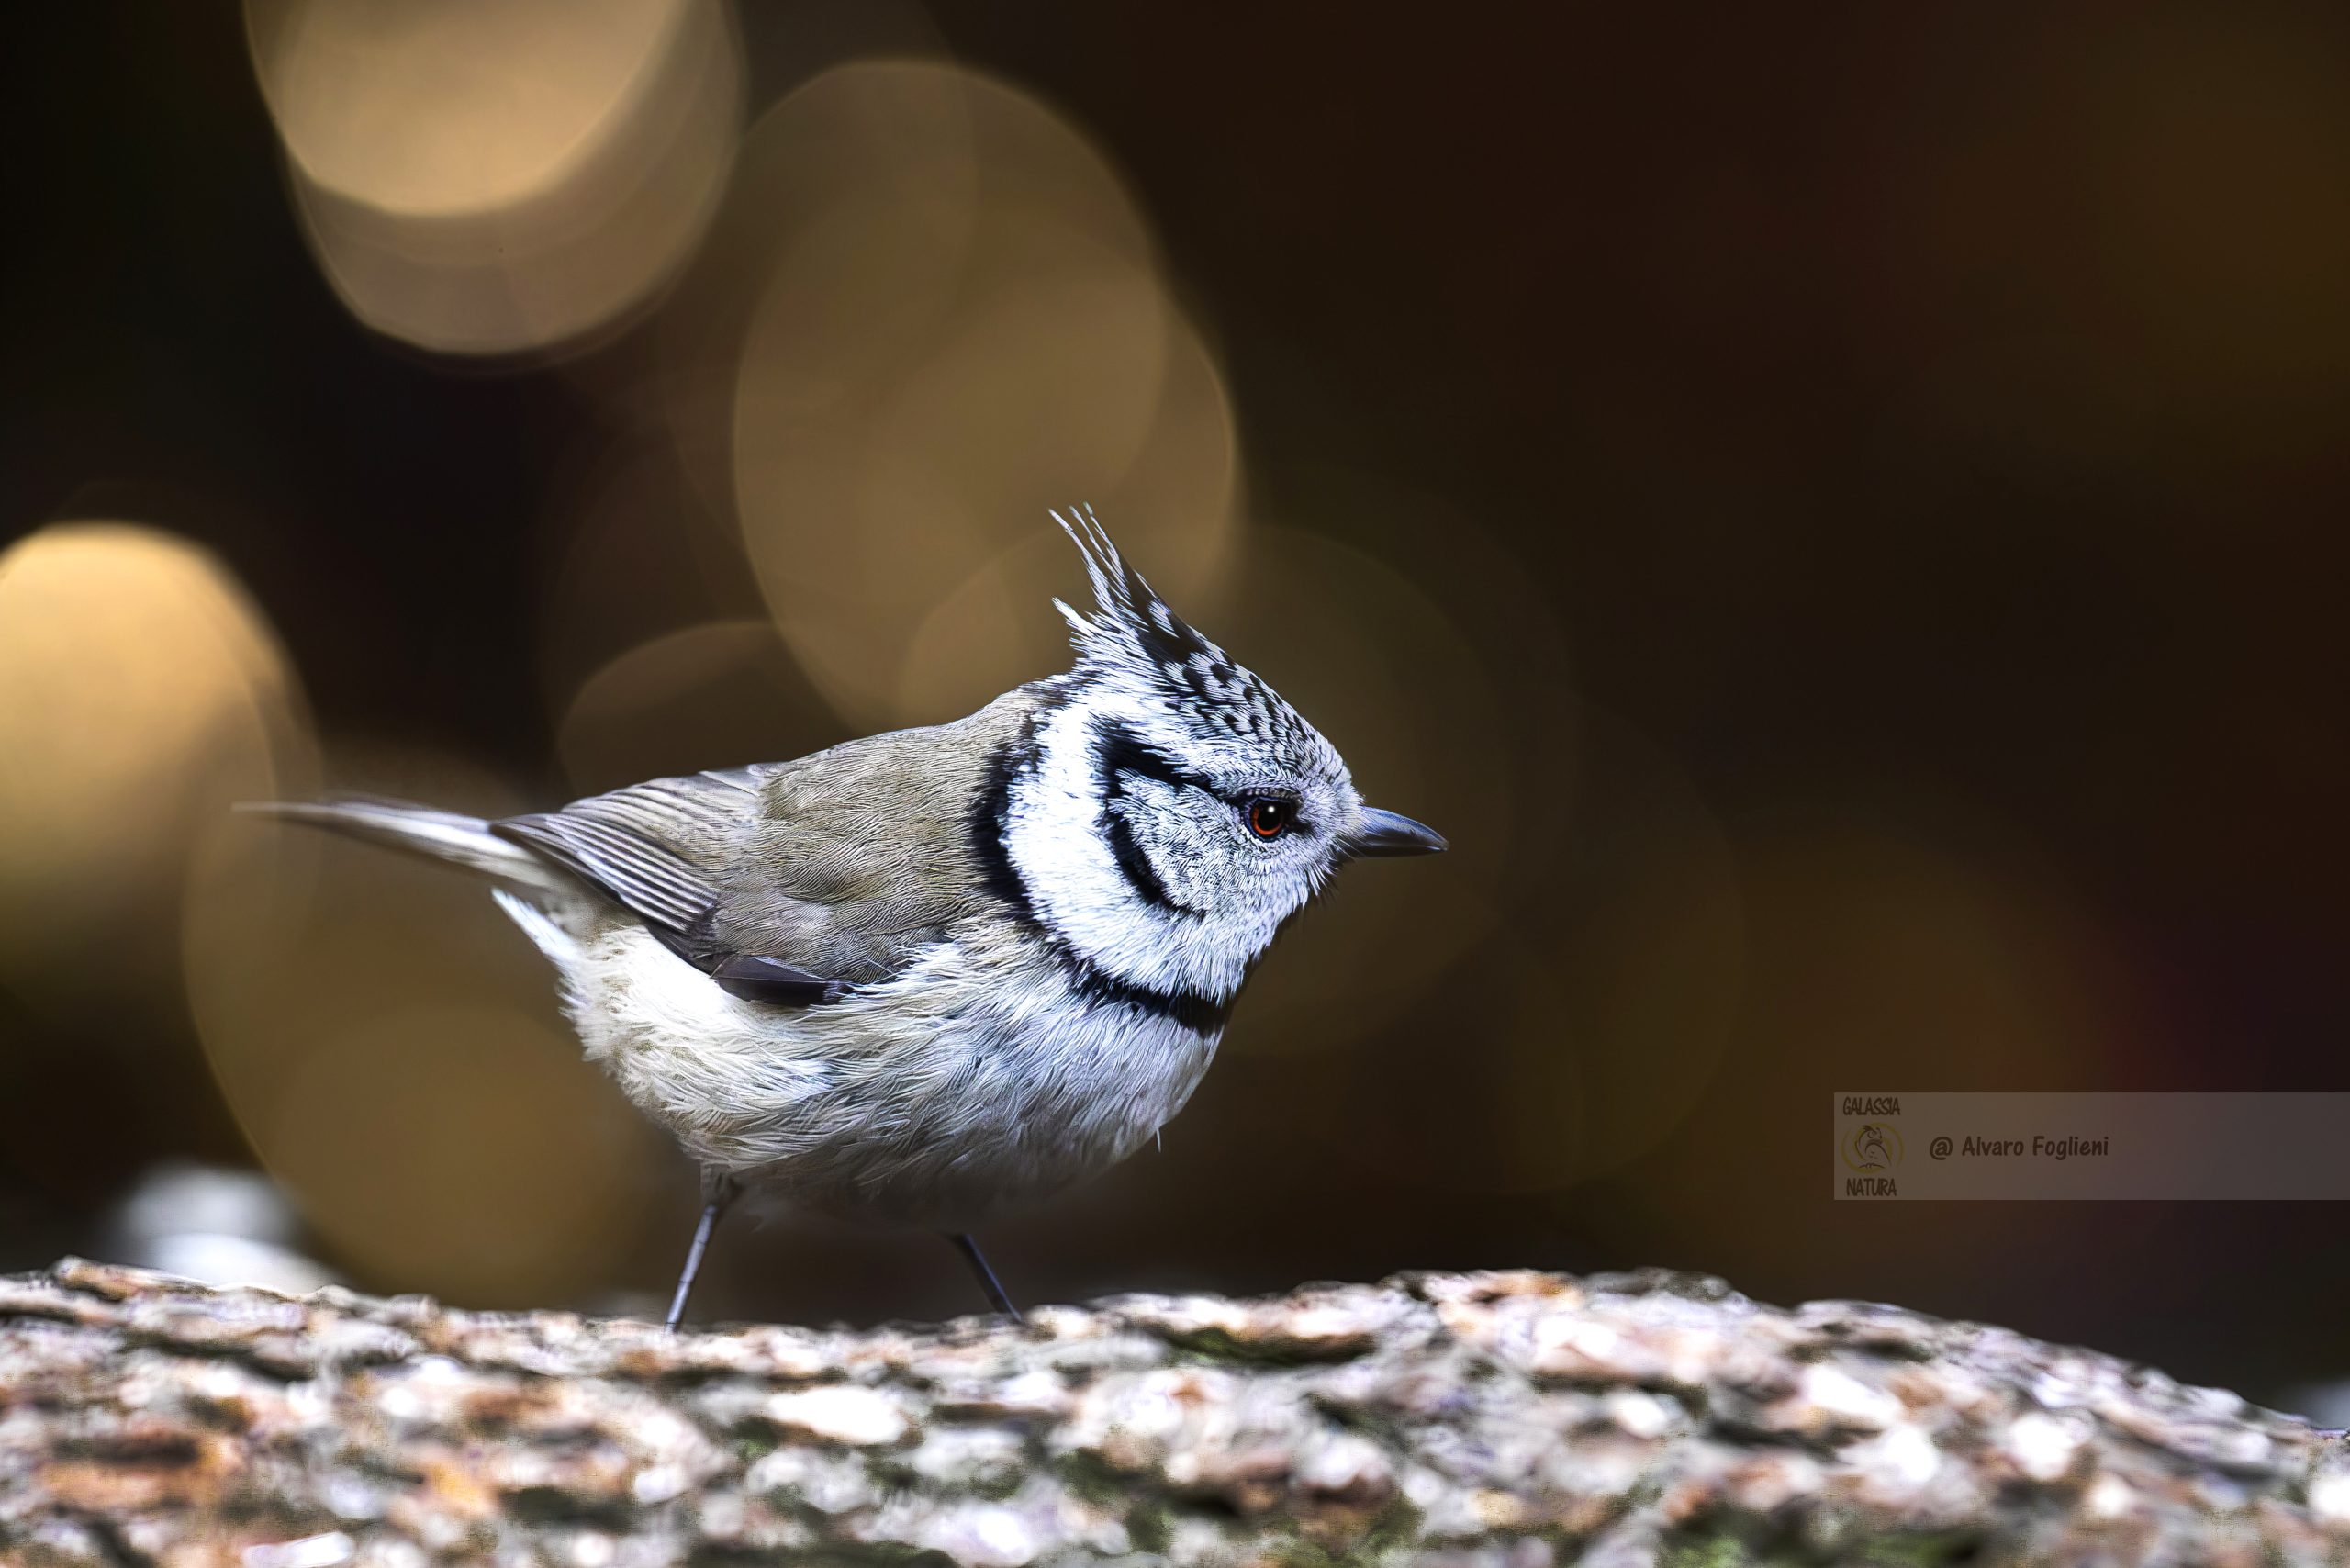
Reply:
x=1920, y=427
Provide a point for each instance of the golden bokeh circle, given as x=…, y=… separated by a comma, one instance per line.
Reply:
x=447, y=106
x=717, y=695
x=977, y=331
x=500, y=177
x=467, y=1150
x=626, y=552
x=145, y=695
x=389, y=1044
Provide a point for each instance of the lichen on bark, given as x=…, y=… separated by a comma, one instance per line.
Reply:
x=1510, y=1419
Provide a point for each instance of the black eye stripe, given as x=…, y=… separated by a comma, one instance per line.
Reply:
x=1118, y=749
x=1118, y=752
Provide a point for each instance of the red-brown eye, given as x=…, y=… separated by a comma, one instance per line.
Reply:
x=1269, y=818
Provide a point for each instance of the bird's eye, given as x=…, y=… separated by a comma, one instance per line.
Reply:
x=1269, y=818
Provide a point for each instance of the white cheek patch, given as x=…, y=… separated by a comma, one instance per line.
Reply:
x=1054, y=836
x=1193, y=847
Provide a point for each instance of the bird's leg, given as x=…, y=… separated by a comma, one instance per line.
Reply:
x=987, y=1281
x=718, y=1191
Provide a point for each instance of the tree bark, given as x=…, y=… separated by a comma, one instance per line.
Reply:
x=1512, y=1419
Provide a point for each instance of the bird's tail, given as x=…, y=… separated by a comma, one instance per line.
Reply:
x=440, y=835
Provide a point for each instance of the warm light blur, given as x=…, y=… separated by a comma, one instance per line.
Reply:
x=497, y=177
x=467, y=1150
x=387, y=1042
x=627, y=552
x=716, y=695
x=964, y=322
x=143, y=694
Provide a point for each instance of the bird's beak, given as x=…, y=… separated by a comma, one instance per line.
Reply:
x=1385, y=833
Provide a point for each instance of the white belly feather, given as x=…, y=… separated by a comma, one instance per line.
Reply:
x=974, y=1080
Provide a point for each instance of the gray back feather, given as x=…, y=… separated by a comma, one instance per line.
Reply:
x=844, y=864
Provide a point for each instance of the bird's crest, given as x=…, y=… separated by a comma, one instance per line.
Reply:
x=1129, y=619
x=1132, y=633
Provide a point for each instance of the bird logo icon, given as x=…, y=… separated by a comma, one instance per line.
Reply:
x=1873, y=1146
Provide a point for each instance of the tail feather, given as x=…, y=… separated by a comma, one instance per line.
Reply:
x=419, y=830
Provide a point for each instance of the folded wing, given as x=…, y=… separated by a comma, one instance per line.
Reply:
x=791, y=882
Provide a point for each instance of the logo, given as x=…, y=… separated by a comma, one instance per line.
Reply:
x=1873, y=1148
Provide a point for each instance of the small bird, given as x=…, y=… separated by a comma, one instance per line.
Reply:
x=925, y=976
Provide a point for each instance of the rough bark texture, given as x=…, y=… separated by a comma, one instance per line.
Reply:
x=1489, y=1418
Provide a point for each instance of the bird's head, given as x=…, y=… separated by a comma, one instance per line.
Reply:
x=1173, y=810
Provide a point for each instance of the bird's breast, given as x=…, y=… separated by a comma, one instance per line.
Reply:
x=986, y=1074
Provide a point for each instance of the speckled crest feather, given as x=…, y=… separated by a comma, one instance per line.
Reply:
x=1134, y=633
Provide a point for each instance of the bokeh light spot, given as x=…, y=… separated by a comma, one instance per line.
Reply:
x=389, y=1044
x=145, y=694
x=502, y=177
x=713, y=696
x=455, y=1150
x=893, y=440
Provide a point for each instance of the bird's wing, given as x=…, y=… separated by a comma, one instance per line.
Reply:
x=790, y=882
x=655, y=849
